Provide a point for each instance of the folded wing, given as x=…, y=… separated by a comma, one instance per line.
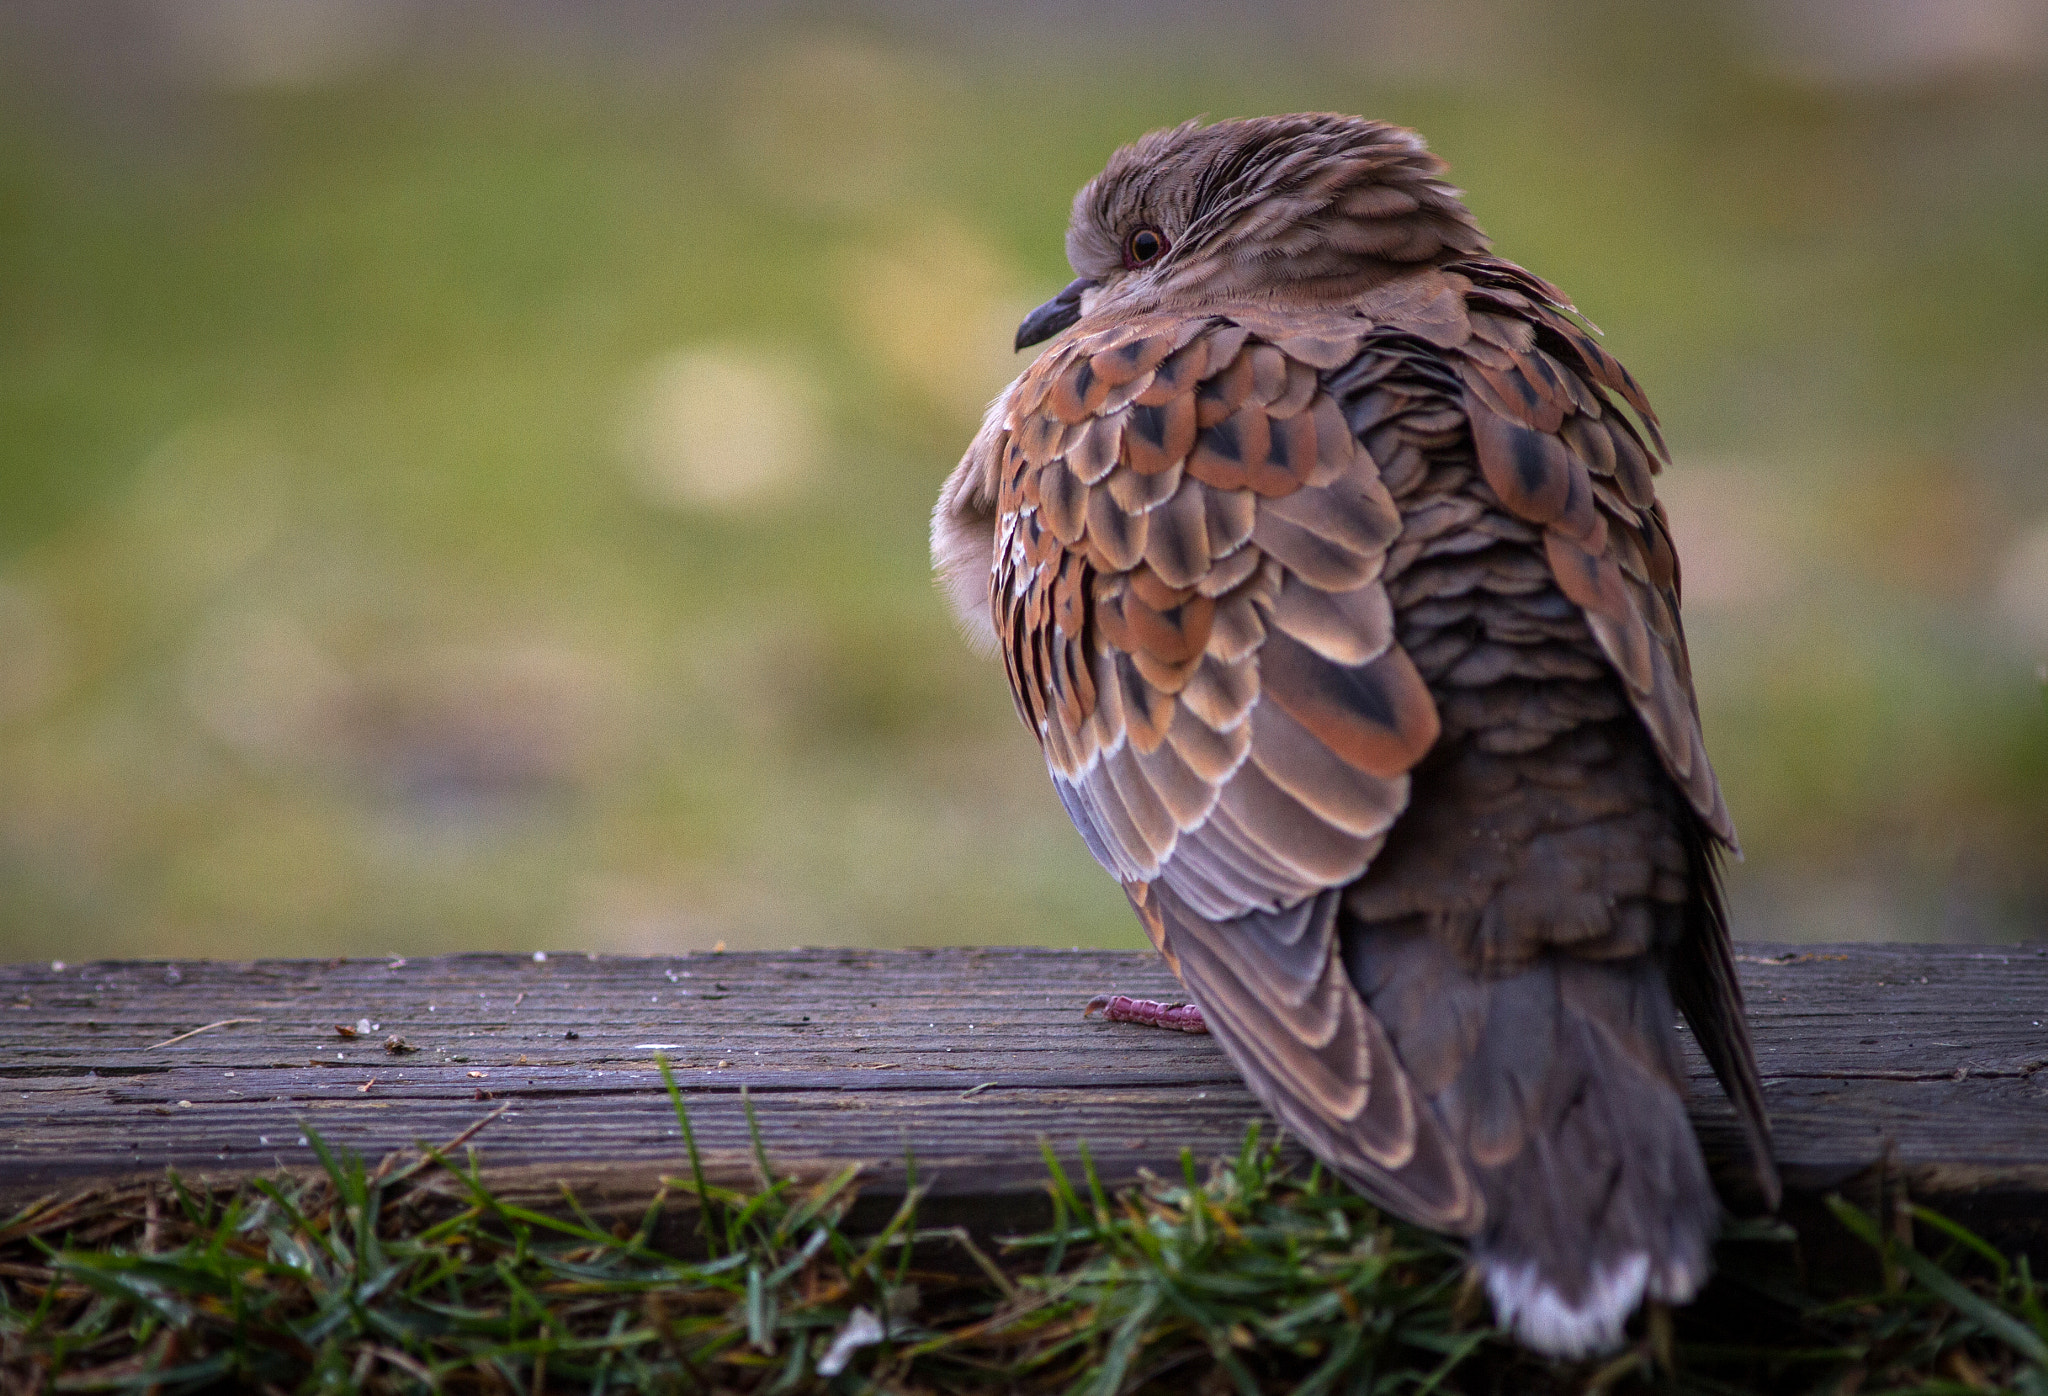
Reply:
x=1187, y=593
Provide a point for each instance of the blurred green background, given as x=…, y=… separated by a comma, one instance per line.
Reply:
x=464, y=467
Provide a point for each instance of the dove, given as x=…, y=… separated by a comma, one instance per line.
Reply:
x=1323, y=554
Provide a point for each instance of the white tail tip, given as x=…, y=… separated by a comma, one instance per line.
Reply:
x=1546, y=1321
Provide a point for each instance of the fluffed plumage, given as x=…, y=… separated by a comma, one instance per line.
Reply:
x=1325, y=561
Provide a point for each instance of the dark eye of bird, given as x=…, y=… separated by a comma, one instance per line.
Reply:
x=1144, y=247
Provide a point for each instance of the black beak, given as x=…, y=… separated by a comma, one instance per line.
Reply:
x=1055, y=315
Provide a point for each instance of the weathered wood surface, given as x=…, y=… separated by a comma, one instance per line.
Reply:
x=1928, y=1058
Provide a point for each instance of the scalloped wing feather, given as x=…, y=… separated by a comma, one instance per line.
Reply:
x=1228, y=533
x=1561, y=455
x=1186, y=588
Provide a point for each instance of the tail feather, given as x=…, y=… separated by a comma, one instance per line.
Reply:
x=1704, y=984
x=1568, y=1102
x=1527, y=1302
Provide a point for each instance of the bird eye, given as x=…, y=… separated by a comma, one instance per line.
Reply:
x=1144, y=247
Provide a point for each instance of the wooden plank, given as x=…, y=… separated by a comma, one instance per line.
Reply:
x=1929, y=1058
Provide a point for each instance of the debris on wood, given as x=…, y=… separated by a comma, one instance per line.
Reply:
x=223, y=1023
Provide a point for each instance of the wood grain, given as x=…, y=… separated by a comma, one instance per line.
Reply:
x=1929, y=1064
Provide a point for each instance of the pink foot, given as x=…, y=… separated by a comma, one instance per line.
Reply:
x=1117, y=1008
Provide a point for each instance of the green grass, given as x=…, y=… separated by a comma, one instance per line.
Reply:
x=412, y=1276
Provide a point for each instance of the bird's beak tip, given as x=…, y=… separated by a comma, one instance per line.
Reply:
x=1055, y=315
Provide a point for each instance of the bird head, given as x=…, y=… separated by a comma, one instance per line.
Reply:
x=1312, y=208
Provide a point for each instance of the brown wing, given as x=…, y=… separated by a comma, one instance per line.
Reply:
x=1187, y=594
x=1558, y=452
x=1553, y=444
